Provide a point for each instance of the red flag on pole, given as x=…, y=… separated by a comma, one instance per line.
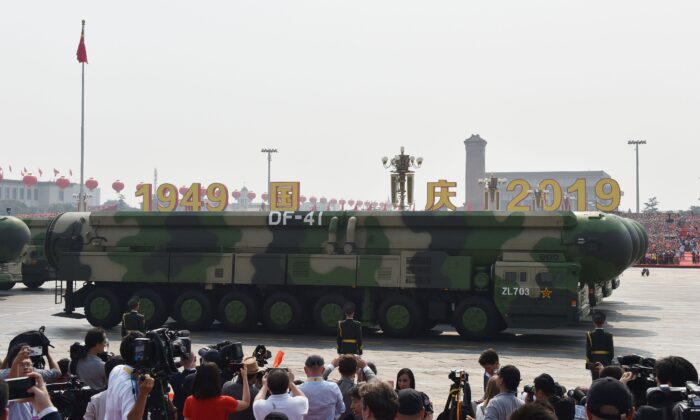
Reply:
x=82, y=53
x=55, y=172
x=41, y=173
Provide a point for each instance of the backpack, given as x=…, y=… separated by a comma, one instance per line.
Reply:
x=34, y=338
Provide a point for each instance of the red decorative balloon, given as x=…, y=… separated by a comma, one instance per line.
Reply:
x=29, y=180
x=1, y=176
x=324, y=200
x=236, y=194
x=351, y=202
x=91, y=184
x=183, y=190
x=251, y=196
x=367, y=203
x=117, y=186
x=342, y=201
x=333, y=201
x=302, y=199
x=264, y=196
x=313, y=199
x=63, y=182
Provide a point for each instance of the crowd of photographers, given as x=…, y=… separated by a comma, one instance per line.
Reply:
x=157, y=376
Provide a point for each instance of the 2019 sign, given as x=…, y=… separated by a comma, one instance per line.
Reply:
x=606, y=189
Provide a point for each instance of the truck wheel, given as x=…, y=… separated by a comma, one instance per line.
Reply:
x=6, y=285
x=237, y=311
x=33, y=284
x=153, y=307
x=327, y=312
x=400, y=316
x=102, y=308
x=192, y=310
x=282, y=313
x=476, y=318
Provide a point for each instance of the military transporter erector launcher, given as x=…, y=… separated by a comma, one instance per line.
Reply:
x=14, y=243
x=406, y=271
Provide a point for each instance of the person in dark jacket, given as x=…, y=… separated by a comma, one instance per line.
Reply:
x=599, y=345
x=349, y=332
x=133, y=320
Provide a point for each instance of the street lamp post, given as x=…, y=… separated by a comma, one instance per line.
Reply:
x=401, y=175
x=636, y=144
x=269, y=162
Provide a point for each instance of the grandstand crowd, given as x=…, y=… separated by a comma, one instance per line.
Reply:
x=672, y=237
x=205, y=387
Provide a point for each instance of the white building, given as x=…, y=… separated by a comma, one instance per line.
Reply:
x=45, y=193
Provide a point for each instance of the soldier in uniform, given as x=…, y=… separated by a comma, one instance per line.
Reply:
x=599, y=345
x=349, y=332
x=133, y=320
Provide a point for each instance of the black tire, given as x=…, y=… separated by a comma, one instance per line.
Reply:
x=33, y=284
x=238, y=311
x=328, y=310
x=103, y=308
x=6, y=285
x=476, y=318
x=400, y=316
x=193, y=310
x=153, y=307
x=282, y=313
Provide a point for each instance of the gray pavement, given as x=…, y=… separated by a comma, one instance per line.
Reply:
x=653, y=316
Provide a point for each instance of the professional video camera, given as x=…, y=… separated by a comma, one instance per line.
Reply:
x=676, y=402
x=643, y=369
x=70, y=398
x=578, y=395
x=261, y=354
x=230, y=359
x=155, y=354
x=459, y=400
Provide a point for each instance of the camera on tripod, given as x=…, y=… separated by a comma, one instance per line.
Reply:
x=230, y=357
x=156, y=353
x=459, y=400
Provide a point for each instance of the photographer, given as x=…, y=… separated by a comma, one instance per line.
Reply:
x=21, y=352
x=234, y=388
x=325, y=398
x=545, y=391
x=177, y=382
x=609, y=398
x=279, y=383
x=503, y=404
x=126, y=392
x=206, y=401
x=348, y=366
x=87, y=363
x=672, y=371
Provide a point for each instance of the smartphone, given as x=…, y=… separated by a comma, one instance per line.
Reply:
x=36, y=351
x=18, y=388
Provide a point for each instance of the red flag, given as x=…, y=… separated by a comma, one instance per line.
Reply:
x=82, y=53
x=55, y=172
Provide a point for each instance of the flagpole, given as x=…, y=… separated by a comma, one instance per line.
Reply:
x=81, y=206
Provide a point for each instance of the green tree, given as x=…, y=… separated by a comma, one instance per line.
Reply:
x=651, y=206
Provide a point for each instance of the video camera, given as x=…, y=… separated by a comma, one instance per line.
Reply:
x=643, y=368
x=683, y=402
x=230, y=357
x=155, y=354
x=70, y=398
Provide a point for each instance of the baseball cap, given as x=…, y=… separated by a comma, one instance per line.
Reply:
x=410, y=402
x=609, y=391
x=314, y=360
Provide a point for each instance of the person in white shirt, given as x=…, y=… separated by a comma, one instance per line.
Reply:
x=325, y=398
x=126, y=393
x=279, y=383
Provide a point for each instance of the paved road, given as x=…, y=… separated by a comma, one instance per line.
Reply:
x=652, y=316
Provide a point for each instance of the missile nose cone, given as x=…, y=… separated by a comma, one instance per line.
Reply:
x=14, y=238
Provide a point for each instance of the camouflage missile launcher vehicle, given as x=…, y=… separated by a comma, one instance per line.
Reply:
x=480, y=271
x=14, y=242
x=35, y=267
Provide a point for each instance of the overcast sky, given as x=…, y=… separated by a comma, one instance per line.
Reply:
x=196, y=89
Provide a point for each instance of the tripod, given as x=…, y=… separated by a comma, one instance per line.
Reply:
x=459, y=399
